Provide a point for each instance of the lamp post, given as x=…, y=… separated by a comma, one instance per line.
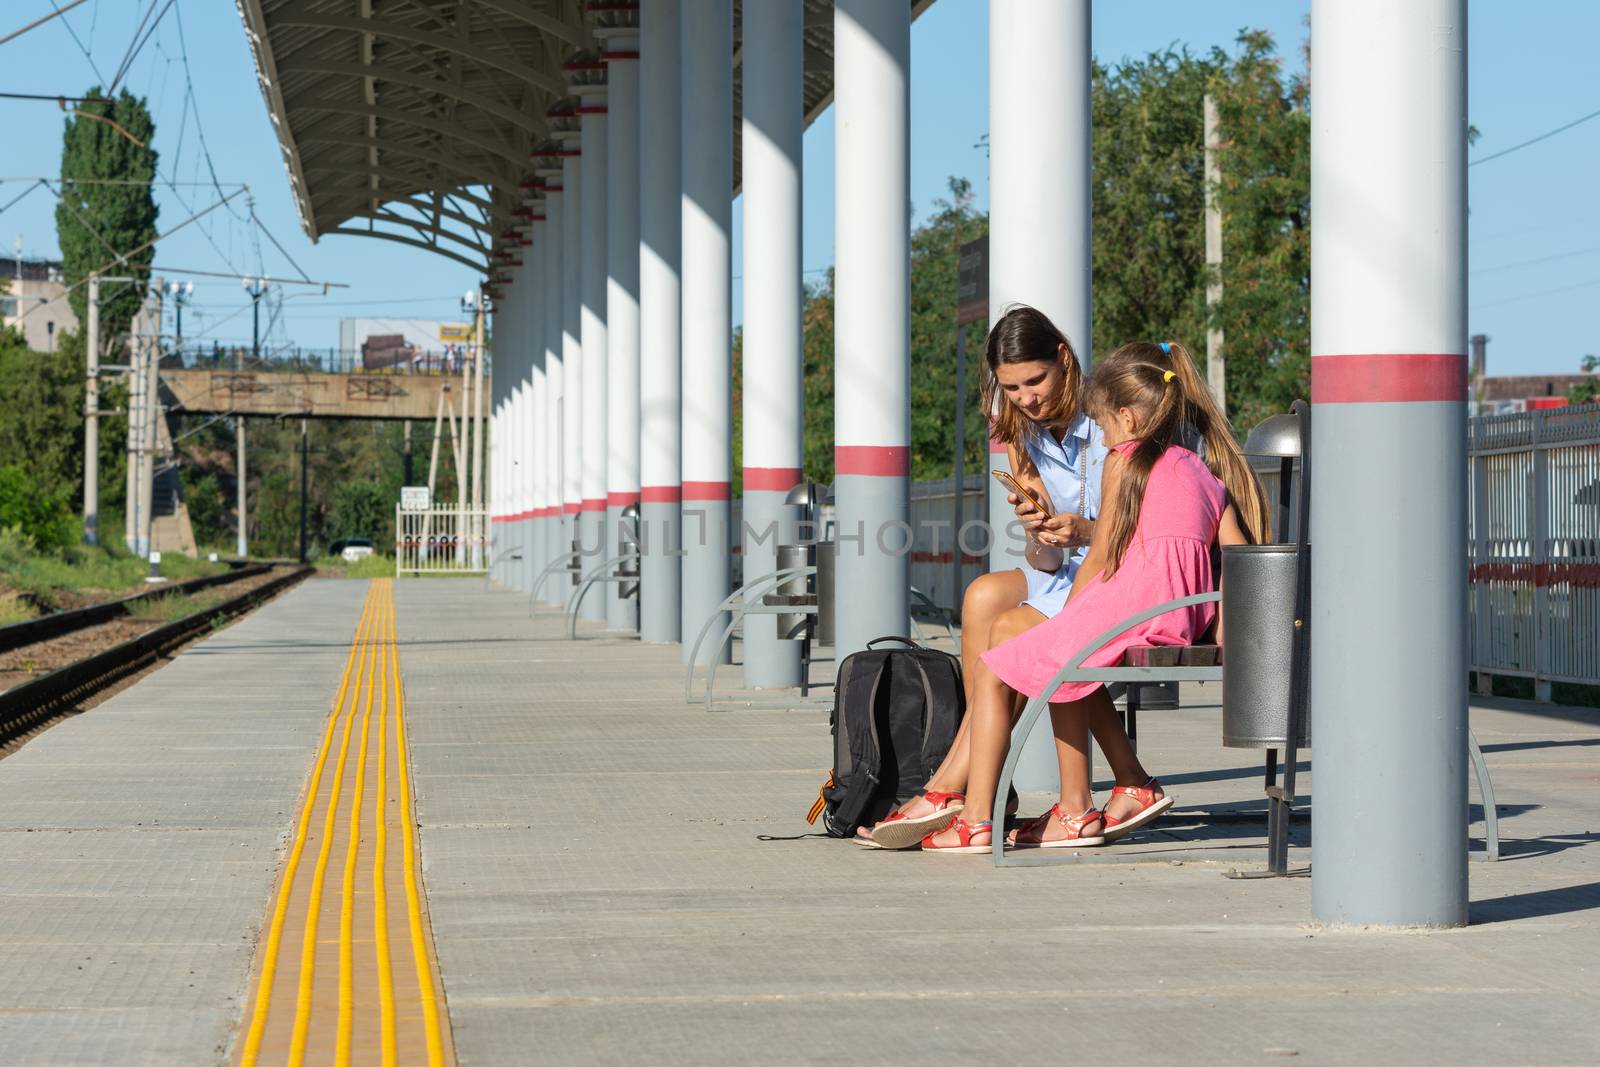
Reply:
x=257, y=288
x=180, y=294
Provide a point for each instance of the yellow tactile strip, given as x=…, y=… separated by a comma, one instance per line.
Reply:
x=371, y=992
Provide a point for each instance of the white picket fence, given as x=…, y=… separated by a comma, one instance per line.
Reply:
x=441, y=541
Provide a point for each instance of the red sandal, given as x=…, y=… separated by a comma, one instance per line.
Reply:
x=1152, y=803
x=1031, y=835
x=965, y=832
x=903, y=831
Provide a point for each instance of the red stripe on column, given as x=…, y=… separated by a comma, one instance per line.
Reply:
x=875, y=460
x=771, y=479
x=621, y=500
x=570, y=508
x=707, y=491
x=661, y=494
x=1388, y=378
x=594, y=503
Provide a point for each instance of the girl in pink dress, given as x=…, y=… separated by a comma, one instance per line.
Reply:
x=1163, y=509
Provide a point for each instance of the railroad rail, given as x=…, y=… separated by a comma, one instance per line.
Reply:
x=28, y=704
x=32, y=631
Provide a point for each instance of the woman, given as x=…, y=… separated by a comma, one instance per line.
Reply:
x=1035, y=390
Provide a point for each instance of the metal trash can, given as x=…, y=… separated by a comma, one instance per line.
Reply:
x=792, y=626
x=827, y=558
x=1258, y=585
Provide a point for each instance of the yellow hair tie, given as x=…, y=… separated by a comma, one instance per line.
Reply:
x=1168, y=375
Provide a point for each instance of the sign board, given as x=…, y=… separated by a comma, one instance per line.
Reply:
x=972, y=290
x=455, y=332
x=414, y=498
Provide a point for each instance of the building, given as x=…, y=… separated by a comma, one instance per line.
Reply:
x=36, y=296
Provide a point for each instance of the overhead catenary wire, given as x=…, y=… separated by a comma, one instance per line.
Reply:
x=67, y=25
x=40, y=21
x=1535, y=140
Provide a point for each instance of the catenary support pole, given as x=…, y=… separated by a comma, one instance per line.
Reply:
x=872, y=323
x=91, y=419
x=1216, y=363
x=622, y=306
x=707, y=420
x=572, y=257
x=1389, y=389
x=1039, y=56
x=130, y=466
x=660, y=232
x=592, y=327
x=773, y=53
x=152, y=412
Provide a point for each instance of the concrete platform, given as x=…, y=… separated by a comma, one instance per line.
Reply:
x=615, y=876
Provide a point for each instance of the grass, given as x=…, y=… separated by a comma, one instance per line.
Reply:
x=13, y=608
x=175, y=606
x=46, y=575
x=374, y=566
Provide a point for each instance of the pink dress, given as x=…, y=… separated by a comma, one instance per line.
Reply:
x=1168, y=558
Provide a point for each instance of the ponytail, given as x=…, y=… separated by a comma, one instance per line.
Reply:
x=1161, y=382
x=1222, y=453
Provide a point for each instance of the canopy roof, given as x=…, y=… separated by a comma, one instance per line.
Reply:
x=424, y=121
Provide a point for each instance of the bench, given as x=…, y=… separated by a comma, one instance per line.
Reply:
x=1148, y=665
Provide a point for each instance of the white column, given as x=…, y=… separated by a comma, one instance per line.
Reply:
x=1039, y=206
x=572, y=255
x=660, y=363
x=872, y=320
x=1389, y=388
x=773, y=365
x=504, y=474
x=535, y=440
x=591, y=528
x=525, y=369
x=551, y=590
x=707, y=41
x=622, y=306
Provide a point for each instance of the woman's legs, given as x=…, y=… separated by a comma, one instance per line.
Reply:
x=987, y=598
x=989, y=721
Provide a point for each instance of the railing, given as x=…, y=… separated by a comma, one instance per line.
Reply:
x=441, y=541
x=202, y=356
x=1534, y=535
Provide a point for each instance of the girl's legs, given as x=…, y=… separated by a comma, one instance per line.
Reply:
x=1072, y=722
x=989, y=719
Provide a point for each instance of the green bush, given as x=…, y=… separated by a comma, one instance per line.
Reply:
x=43, y=518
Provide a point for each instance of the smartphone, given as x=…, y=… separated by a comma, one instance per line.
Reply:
x=1005, y=478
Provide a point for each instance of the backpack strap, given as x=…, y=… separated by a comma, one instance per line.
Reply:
x=862, y=783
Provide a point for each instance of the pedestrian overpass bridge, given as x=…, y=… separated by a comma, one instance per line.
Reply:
x=307, y=394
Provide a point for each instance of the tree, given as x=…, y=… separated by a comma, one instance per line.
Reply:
x=1265, y=196
x=361, y=509
x=1587, y=392
x=1149, y=199
x=107, y=141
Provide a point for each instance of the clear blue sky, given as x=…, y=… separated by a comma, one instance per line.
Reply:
x=1535, y=229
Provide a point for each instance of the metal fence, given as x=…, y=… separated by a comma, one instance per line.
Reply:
x=441, y=541
x=1534, y=535
x=211, y=356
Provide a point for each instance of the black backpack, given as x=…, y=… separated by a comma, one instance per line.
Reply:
x=895, y=715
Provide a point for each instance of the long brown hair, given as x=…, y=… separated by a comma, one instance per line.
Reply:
x=1025, y=335
x=1160, y=383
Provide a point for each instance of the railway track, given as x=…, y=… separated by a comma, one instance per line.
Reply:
x=32, y=631
x=29, y=704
